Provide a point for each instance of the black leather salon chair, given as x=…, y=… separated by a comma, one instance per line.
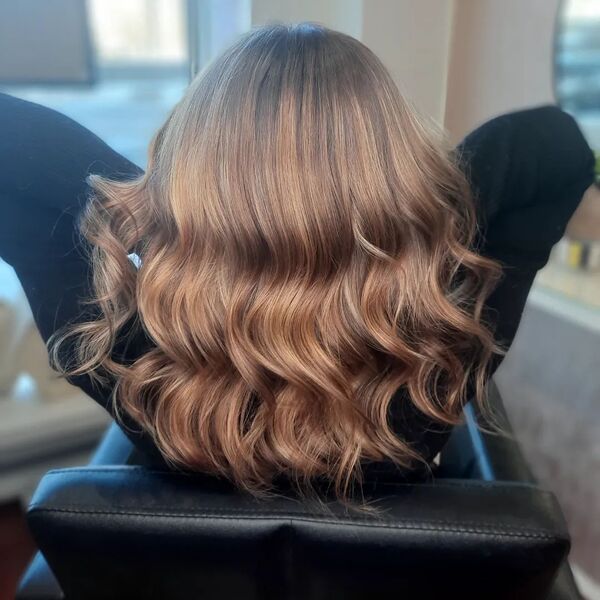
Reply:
x=482, y=528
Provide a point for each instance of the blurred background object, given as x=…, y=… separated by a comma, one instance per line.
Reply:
x=577, y=64
x=52, y=48
x=118, y=67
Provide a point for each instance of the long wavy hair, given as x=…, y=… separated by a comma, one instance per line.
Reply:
x=304, y=248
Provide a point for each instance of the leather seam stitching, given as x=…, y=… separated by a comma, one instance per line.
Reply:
x=256, y=515
x=275, y=511
x=481, y=485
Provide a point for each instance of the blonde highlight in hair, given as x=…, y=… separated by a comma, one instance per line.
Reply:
x=305, y=249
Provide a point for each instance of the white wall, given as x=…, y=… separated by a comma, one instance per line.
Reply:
x=501, y=59
x=412, y=38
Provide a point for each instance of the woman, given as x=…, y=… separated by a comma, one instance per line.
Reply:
x=302, y=283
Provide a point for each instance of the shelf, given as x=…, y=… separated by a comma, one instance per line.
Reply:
x=30, y=430
x=37, y=435
x=568, y=294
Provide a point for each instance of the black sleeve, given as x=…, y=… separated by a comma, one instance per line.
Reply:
x=45, y=158
x=529, y=170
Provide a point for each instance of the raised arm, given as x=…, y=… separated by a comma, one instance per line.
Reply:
x=529, y=170
x=45, y=158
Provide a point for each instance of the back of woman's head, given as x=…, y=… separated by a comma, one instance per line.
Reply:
x=304, y=251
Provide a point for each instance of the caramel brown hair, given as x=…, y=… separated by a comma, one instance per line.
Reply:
x=305, y=249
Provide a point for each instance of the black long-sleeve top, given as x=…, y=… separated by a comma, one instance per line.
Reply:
x=529, y=170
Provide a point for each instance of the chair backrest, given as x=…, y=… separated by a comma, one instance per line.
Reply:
x=129, y=532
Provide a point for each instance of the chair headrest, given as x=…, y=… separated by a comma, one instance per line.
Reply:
x=132, y=529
